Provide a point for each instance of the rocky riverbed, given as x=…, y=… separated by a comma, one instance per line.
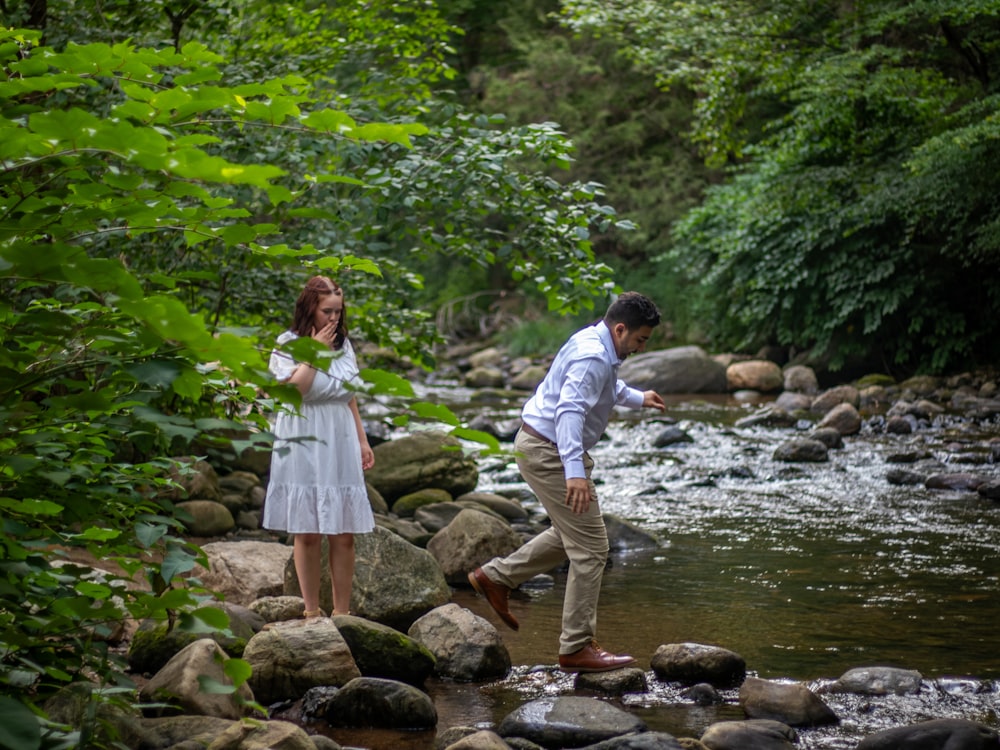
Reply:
x=730, y=481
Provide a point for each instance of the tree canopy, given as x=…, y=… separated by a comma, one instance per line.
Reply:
x=860, y=219
x=169, y=172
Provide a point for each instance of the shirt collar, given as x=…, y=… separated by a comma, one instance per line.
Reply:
x=609, y=343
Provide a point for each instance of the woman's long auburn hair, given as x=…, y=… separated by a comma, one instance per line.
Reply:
x=309, y=300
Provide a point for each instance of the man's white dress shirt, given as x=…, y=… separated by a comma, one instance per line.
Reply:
x=573, y=404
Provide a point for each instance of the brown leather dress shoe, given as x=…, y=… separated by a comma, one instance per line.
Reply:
x=593, y=658
x=494, y=593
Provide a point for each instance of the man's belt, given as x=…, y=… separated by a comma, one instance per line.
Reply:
x=525, y=427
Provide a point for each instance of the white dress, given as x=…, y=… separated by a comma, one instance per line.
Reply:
x=318, y=486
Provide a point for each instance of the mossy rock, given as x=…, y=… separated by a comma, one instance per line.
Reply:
x=382, y=651
x=875, y=378
x=153, y=645
x=407, y=505
x=426, y=459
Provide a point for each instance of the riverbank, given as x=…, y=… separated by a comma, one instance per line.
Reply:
x=806, y=569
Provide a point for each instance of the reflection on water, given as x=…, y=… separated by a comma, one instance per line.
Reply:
x=806, y=570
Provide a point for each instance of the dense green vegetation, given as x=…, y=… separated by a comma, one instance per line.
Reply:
x=628, y=135
x=860, y=218
x=821, y=176
x=168, y=174
x=814, y=175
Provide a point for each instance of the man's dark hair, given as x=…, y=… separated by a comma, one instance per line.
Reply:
x=634, y=310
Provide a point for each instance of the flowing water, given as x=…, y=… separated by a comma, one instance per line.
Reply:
x=805, y=570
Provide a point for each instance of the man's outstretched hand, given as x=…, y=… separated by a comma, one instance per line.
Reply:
x=653, y=400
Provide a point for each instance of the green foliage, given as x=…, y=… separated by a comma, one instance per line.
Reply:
x=157, y=205
x=863, y=198
x=540, y=336
x=629, y=136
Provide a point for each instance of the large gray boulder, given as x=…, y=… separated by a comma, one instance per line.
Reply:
x=878, y=681
x=472, y=538
x=691, y=663
x=682, y=369
x=291, y=657
x=177, y=688
x=466, y=647
x=371, y=702
x=395, y=582
x=429, y=459
x=244, y=571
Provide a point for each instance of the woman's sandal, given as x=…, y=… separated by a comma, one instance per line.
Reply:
x=309, y=614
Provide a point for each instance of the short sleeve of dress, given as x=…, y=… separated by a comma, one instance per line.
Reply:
x=348, y=350
x=281, y=364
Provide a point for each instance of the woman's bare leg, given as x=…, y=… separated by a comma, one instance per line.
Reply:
x=306, y=553
x=341, y=549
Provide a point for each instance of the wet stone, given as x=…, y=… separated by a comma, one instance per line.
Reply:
x=904, y=477
x=937, y=733
x=616, y=682
x=990, y=490
x=569, y=721
x=878, y=681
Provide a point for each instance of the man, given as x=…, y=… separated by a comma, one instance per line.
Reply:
x=564, y=419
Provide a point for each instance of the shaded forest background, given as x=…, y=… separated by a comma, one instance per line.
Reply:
x=815, y=177
x=819, y=178
x=812, y=177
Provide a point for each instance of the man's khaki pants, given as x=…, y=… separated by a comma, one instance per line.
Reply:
x=580, y=537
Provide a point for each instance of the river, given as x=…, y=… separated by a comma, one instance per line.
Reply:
x=805, y=570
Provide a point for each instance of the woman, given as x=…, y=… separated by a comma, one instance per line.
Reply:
x=317, y=484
